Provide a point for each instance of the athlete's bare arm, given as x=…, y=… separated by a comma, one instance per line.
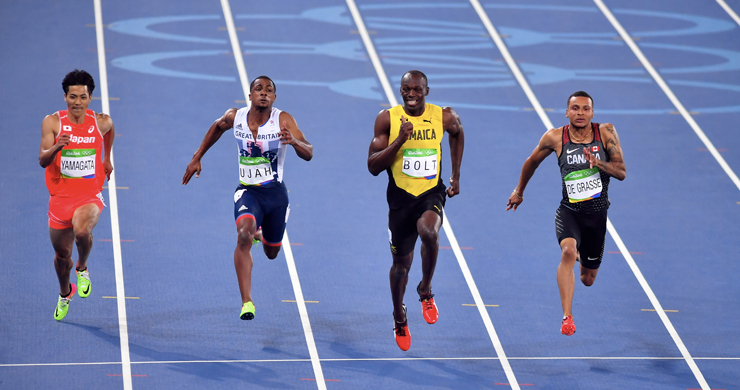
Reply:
x=291, y=135
x=454, y=128
x=217, y=129
x=381, y=154
x=550, y=142
x=105, y=124
x=615, y=167
x=49, y=148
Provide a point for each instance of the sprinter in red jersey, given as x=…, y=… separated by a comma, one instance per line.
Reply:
x=75, y=150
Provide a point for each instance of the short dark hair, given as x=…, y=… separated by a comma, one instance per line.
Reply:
x=78, y=77
x=579, y=94
x=251, y=85
x=416, y=73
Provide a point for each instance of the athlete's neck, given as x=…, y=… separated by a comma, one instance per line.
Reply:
x=258, y=116
x=415, y=111
x=77, y=120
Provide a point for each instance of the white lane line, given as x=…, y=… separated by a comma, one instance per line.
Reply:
x=667, y=90
x=729, y=11
x=445, y=224
x=612, y=231
x=287, y=250
x=113, y=201
x=658, y=308
x=236, y=48
x=312, y=351
x=480, y=305
x=369, y=360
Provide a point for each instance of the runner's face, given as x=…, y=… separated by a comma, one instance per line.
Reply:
x=413, y=91
x=262, y=94
x=579, y=111
x=77, y=99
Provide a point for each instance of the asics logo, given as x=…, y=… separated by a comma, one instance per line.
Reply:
x=569, y=151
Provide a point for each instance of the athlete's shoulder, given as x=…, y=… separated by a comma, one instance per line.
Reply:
x=51, y=122
x=607, y=126
x=552, y=137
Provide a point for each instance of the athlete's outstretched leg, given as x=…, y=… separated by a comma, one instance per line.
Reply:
x=243, y=256
x=83, y=221
x=566, y=277
x=428, y=227
x=399, y=278
x=62, y=241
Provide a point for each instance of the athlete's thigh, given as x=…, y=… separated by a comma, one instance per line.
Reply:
x=247, y=205
x=87, y=215
x=429, y=211
x=277, y=211
x=593, y=238
x=402, y=233
x=567, y=225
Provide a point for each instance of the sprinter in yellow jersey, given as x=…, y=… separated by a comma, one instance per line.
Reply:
x=407, y=145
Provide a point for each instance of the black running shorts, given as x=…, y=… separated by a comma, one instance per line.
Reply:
x=402, y=232
x=589, y=231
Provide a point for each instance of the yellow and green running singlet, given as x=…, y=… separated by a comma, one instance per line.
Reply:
x=416, y=167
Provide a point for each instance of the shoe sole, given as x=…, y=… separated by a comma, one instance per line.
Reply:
x=247, y=316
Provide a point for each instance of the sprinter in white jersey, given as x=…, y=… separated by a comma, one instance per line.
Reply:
x=261, y=206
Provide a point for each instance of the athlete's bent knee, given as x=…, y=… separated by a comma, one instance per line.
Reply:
x=587, y=280
x=271, y=251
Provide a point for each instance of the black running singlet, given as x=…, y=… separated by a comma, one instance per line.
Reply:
x=584, y=188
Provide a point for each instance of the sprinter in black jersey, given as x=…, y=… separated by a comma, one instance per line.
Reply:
x=588, y=155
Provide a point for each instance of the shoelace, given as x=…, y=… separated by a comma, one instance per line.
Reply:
x=425, y=297
x=427, y=304
x=84, y=274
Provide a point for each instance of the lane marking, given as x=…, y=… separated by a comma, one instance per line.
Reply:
x=372, y=359
x=669, y=93
x=236, y=48
x=473, y=304
x=111, y=240
x=462, y=247
x=287, y=250
x=665, y=310
x=118, y=188
x=109, y=98
x=122, y=375
x=632, y=253
x=117, y=297
x=313, y=379
x=383, y=78
x=729, y=11
x=113, y=201
x=679, y=106
x=293, y=301
x=612, y=231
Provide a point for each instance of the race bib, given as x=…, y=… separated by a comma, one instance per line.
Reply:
x=78, y=163
x=420, y=163
x=255, y=170
x=583, y=185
